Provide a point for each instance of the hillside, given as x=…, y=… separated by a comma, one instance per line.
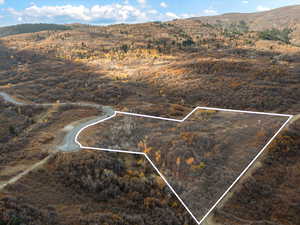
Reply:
x=114, y=193
x=270, y=195
x=30, y=28
x=156, y=68
x=127, y=63
x=277, y=18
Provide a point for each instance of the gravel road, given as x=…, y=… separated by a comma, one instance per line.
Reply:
x=71, y=130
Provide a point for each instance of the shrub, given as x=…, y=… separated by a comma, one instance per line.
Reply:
x=125, y=48
x=236, y=29
x=243, y=27
x=276, y=35
x=13, y=221
x=188, y=42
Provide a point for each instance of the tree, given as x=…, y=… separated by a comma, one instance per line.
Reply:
x=243, y=27
x=125, y=48
x=12, y=130
x=236, y=29
x=188, y=42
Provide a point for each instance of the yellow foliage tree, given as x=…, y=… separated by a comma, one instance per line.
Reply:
x=190, y=161
x=143, y=145
x=178, y=160
x=157, y=156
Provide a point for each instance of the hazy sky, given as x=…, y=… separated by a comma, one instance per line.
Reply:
x=123, y=11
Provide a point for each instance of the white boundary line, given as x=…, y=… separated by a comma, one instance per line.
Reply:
x=180, y=121
x=245, y=170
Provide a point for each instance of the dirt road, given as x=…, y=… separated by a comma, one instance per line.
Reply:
x=69, y=143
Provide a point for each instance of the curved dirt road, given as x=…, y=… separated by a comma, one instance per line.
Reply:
x=69, y=144
x=71, y=132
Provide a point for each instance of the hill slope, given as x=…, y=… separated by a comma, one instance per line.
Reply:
x=160, y=69
x=30, y=28
x=277, y=18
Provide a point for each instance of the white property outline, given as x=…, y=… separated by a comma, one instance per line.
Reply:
x=180, y=121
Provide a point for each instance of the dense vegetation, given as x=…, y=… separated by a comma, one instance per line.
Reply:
x=15, y=120
x=13, y=211
x=235, y=29
x=113, y=189
x=276, y=35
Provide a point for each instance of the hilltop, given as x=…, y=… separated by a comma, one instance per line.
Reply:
x=30, y=28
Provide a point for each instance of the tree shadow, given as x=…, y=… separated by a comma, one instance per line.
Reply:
x=46, y=78
x=248, y=83
x=244, y=83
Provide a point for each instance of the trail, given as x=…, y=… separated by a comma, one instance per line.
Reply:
x=24, y=173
